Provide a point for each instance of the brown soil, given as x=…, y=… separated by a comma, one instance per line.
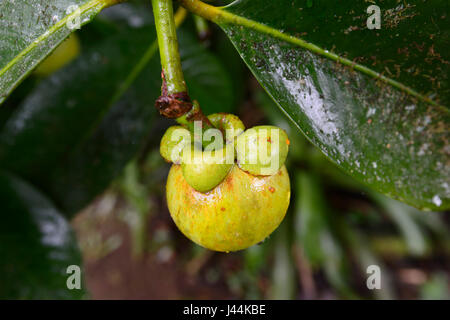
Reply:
x=116, y=274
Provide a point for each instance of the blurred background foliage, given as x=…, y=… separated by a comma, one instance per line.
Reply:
x=71, y=133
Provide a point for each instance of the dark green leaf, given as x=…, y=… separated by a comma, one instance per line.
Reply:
x=68, y=137
x=37, y=245
x=390, y=132
x=207, y=79
x=132, y=15
x=32, y=29
x=230, y=58
x=71, y=136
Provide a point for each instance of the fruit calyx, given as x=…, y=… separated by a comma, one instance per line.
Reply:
x=260, y=151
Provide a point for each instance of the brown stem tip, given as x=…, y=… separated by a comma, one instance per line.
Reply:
x=172, y=105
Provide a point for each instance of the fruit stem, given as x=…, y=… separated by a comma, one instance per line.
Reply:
x=168, y=46
x=174, y=101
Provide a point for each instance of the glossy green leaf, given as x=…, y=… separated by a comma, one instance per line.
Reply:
x=30, y=30
x=69, y=137
x=37, y=245
x=76, y=131
x=371, y=100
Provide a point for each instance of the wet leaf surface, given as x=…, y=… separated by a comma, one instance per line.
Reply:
x=32, y=29
x=390, y=139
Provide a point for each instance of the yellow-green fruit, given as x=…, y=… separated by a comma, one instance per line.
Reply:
x=68, y=50
x=172, y=143
x=204, y=170
x=240, y=212
x=262, y=150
